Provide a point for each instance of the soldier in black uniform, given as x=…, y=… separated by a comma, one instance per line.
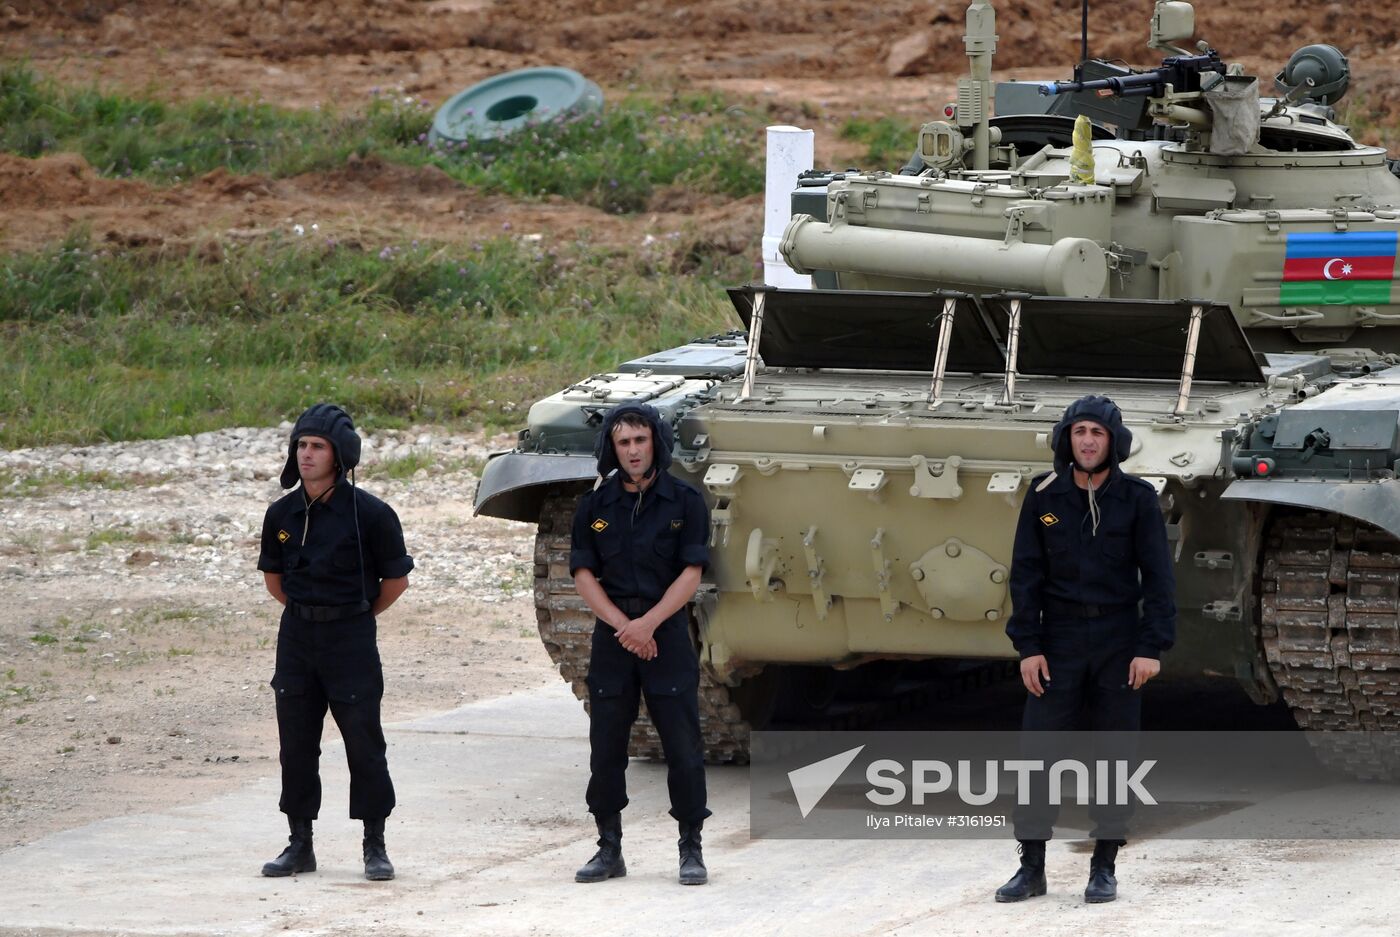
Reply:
x=1091, y=547
x=638, y=551
x=334, y=556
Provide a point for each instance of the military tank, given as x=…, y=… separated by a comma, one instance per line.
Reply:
x=1220, y=262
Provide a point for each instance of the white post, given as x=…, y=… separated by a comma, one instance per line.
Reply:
x=790, y=151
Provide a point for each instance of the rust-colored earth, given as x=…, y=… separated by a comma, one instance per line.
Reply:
x=811, y=62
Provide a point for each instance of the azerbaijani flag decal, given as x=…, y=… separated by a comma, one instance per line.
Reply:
x=1354, y=267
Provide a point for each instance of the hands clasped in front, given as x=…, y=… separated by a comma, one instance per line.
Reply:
x=637, y=636
x=1035, y=672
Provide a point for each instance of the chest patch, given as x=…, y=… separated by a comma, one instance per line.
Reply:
x=676, y=524
x=283, y=536
x=599, y=525
x=1049, y=520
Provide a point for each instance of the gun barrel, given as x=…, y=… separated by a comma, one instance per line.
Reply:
x=1126, y=86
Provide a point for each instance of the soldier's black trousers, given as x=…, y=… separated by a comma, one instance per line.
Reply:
x=1088, y=690
x=617, y=678
x=331, y=666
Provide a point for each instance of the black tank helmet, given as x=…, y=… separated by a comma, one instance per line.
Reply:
x=662, y=439
x=329, y=422
x=1100, y=410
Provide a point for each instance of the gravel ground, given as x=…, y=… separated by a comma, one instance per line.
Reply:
x=137, y=641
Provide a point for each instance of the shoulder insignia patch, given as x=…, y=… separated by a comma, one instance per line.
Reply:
x=676, y=524
x=1049, y=520
x=599, y=525
x=283, y=536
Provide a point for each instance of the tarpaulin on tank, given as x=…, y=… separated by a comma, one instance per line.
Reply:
x=866, y=330
x=1127, y=338
x=1059, y=336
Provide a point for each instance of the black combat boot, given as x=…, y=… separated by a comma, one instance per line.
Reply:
x=607, y=861
x=1029, y=880
x=693, y=870
x=1102, y=885
x=298, y=856
x=378, y=868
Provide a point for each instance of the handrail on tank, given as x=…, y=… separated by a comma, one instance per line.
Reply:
x=1013, y=344
x=1188, y=361
x=755, y=335
x=940, y=355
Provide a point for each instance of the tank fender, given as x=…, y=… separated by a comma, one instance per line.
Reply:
x=514, y=484
x=1372, y=502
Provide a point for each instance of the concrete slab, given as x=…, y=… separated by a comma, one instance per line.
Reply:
x=492, y=824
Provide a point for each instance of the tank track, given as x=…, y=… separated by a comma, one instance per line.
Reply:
x=566, y=627
x=1330, y=595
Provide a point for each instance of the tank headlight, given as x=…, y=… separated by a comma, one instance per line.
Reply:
x=1256, y=466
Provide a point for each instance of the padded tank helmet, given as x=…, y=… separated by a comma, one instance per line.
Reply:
x=1100, y=410
x=662, y=438
x=331, y=423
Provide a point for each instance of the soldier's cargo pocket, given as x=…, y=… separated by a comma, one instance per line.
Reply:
x=359, y=688
x=603, y=687
x=289, y=684
x=676, y=683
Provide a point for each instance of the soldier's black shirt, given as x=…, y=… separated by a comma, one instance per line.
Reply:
x=1059, y=557
x=315, y=549
x=638, y=544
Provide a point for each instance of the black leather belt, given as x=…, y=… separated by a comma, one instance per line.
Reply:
x=1075, y=610
x=633, y=606
x=322, y=613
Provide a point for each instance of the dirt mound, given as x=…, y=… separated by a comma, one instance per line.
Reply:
x=372, y=174
x=64, y=179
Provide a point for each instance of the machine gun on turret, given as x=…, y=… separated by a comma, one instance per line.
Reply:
x=1177, y=74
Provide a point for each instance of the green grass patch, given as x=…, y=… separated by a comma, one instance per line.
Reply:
x=405, y=467
x=155, y=343
x=43, y=637
x=889, y=141
x=45, y=482
x=100, y=538
x=613, y=160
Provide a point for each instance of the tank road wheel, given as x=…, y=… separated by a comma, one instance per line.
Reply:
x=1329, y=600
x=566, y=627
